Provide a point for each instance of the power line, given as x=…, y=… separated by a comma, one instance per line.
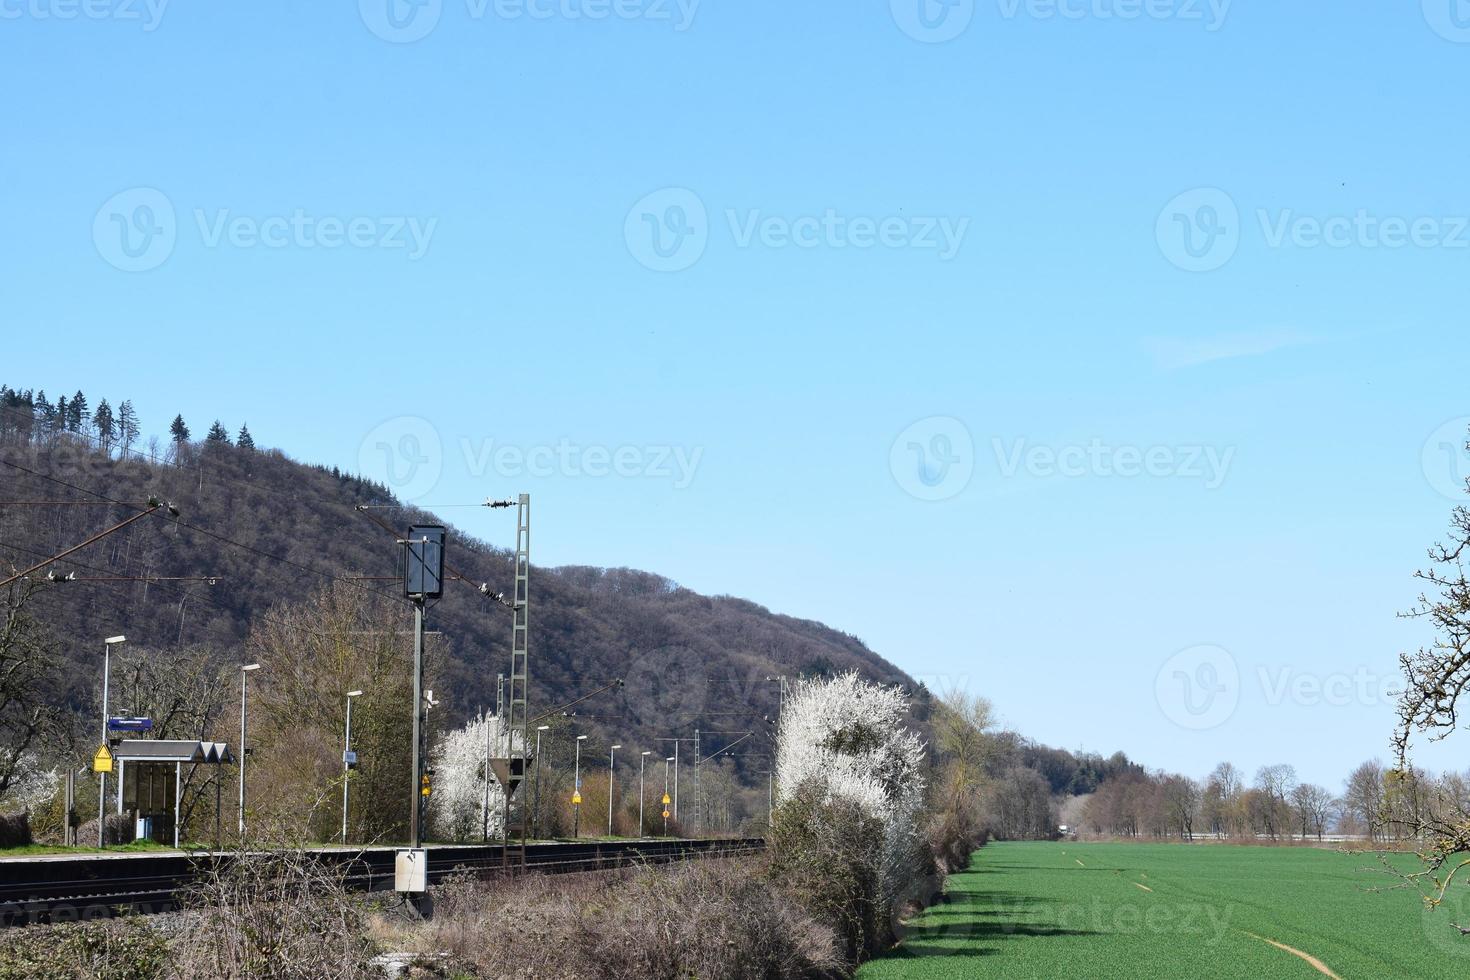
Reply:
x=191, y=527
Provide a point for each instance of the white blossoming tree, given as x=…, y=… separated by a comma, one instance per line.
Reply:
x=457, y=810
x=845, y=738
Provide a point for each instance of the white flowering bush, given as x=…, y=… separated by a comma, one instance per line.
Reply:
x=844, y=739
x=457, y=810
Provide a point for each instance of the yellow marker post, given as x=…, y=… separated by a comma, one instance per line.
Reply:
x=102, y=761
x=577, y=798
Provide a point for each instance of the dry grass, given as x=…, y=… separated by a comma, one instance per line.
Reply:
x=702, y=919
x=275, y=916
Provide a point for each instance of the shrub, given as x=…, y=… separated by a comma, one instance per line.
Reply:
x=15, y=829
x=845, y=754
x=273, y=917
x=826, y=852
x=117, y=949
x=702, y=919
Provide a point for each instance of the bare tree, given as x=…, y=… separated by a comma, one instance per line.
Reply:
x=1275, y=782
x=1436, y=677
x=1181, y=798
x=28, y=659
x=1311, y=806
x=1363, y=800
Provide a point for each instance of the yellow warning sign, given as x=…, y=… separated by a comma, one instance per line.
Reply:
x=667, y=801
x=102, y=761
x=666, y=814
x=576, y=798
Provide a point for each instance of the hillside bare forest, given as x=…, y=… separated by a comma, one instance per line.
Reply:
x=257, y=533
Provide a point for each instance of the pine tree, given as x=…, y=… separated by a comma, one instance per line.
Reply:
x=243, y=440
x=45, y=412
x=179, y=430
x=76, y=413
x=217, y=433
x=105, y=425
x=63, y=412
x=127, y=426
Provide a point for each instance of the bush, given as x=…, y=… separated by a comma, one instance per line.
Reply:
x=715, y=919
x=278, y=916
x=15, y=829
x=117, y=949
x=120, y=830
x=827, y=852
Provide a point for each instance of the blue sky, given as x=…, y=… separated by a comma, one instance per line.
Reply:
x=1082, y=354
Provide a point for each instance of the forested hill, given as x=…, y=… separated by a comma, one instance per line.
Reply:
x=256, y=529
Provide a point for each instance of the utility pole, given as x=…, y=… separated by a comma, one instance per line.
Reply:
x=536, y=807
x=518, y=718
x=423, y=579
x=489, y=754
x=430, y=703
x=415, y=832
x=675, y=760
x=107, y=646
x=642, y=759
x=577, y=790
x=611, y=765
x=349, y=761
x=245, y=670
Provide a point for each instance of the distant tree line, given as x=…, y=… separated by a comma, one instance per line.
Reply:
x=31, y=416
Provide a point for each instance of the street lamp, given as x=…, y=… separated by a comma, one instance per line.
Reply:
x=107, y=646
x=642, y=758
x=536, y=806
x=577, y=789
x=430, y=702
x=611, y=765
x=245, y=670
x=349, y=760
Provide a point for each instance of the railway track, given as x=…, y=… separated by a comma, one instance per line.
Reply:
x=68, y=889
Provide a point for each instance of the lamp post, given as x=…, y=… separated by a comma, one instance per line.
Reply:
x=643, y=758
x=245, y=670
x=430, y=702
x=347, y=760
x=577, y=790
x=536, y=806
x=611, y=765
x=107, y=646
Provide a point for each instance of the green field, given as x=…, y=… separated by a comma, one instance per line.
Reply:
x=1064, y=910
